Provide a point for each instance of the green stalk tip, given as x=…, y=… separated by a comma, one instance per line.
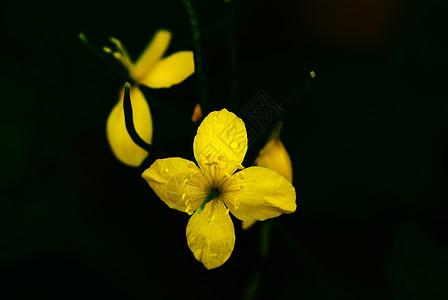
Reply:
x=82, y=37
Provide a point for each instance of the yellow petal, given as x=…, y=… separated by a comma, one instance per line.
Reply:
x=153, y=52
x=119, y=140
x=275, y=157
x=170, y=70
x=178, y=182
x=258, y=193
x=220, y=145
x=210, y=235
x=248, y=224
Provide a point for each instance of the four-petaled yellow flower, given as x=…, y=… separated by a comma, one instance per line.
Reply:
x=152, y=71
x=254, y=193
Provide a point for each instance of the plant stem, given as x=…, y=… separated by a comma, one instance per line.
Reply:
x=199, y=62
x=234, y=101
x=298, y=94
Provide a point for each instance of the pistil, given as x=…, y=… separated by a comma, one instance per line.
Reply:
x=213, y=193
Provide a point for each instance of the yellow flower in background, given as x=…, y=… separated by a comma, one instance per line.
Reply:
x=152, y=71
x=275, y=157
x=216, y=187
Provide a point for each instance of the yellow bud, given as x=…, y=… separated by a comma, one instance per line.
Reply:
x=197, y=114
x=275, y=157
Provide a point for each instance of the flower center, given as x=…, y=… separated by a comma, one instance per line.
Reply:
x=213, y=193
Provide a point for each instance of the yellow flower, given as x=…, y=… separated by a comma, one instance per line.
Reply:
x=215, y=188
x=152, y=71
x=275, y=157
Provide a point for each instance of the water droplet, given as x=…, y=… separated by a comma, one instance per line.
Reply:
x=167, y=170
x=237, y=203
x=234, y=145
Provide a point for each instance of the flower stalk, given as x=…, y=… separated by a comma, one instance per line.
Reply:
x=129, y=120
x=298, y=94
x=202, y=84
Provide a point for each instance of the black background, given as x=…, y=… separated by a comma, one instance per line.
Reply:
x=368, y=142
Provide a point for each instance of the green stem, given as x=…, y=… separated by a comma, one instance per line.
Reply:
x=209, y=198
x=318, y=274
x=232, y=57
x=298, y=94
x=265, y=239
x=129, y=121
x=199, y=61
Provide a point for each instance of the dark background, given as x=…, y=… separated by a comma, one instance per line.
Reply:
x=368, y=142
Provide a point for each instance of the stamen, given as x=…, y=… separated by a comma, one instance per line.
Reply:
x=120, y=46
x=189, y=211
x=121, y=54
x=209, y=197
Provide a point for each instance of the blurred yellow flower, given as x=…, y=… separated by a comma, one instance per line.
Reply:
x=152, y=71
x=275, y=157
x=215, y=188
